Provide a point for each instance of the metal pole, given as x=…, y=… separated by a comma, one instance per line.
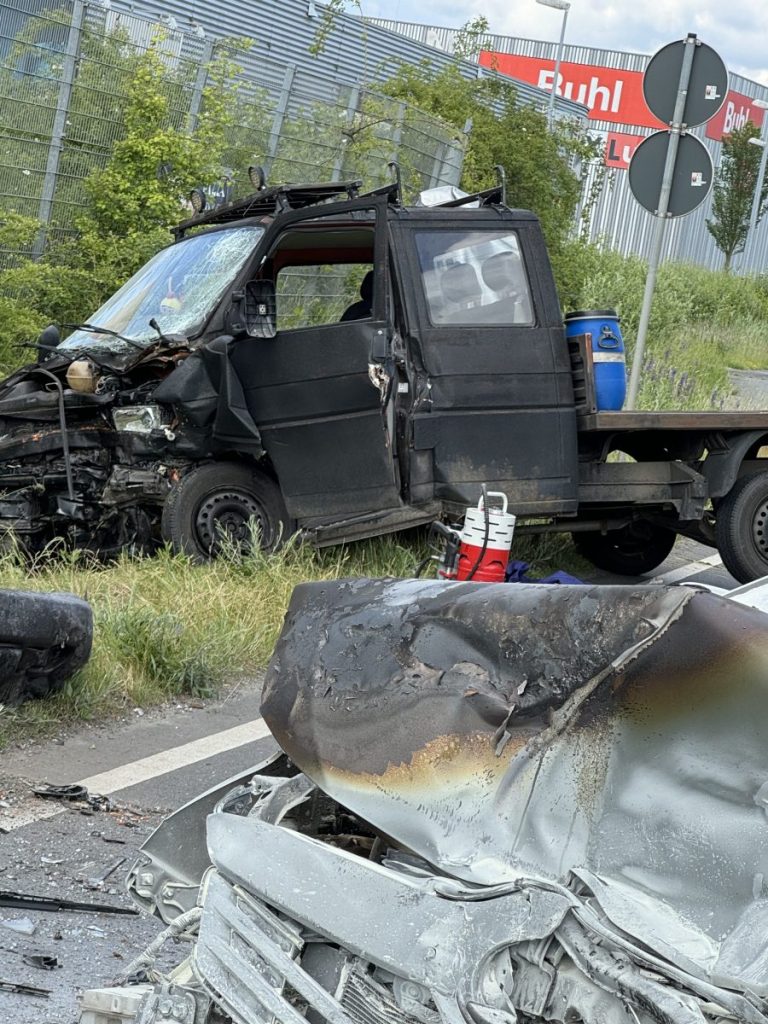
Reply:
x=676, y=129
x=197, y=90
x=59, y=125
x=354, y=103
x=279, y=117
x=759, y=186
x=753, y=218
x=558, y=61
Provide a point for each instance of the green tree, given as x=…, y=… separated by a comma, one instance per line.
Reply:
x=541, y=165
x=734, y=191
x=471, y=38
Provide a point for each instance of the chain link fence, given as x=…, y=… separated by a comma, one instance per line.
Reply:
x=64, y=76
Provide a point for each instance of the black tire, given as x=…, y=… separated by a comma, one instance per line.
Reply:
x=741, y=528
x=630, y=551
x=44, y=639
x=222, y=499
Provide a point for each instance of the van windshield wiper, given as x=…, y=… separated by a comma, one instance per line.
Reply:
x=94, y=329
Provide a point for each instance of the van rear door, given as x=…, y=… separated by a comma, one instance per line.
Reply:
x=484, y=317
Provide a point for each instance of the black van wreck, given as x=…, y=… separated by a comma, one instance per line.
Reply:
x=316, y=359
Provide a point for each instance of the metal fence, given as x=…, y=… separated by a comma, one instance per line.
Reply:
x=64, y=77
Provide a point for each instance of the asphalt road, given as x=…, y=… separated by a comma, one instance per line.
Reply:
x=148, y=765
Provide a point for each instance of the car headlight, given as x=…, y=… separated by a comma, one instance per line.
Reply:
x=139, y=419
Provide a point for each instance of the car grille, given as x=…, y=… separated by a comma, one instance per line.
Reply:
x=246, y=958
x=366, y=1002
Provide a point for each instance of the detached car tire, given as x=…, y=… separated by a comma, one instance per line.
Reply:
x=630, y=551
x=44, y=639
x=216, y=504
x=741, y=528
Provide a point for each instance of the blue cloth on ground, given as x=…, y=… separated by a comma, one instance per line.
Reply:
x=516, y=572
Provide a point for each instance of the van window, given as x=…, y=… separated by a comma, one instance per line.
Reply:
x=474, y=277
x=310, y=296
x=323, y=271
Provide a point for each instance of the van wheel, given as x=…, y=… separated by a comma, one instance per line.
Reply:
x=630, y=551
x=219, y=506
x=741, y=528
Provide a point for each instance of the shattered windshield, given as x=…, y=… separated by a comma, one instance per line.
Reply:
x=179, y=287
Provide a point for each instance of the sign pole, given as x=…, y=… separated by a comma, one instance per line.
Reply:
x=676, y=129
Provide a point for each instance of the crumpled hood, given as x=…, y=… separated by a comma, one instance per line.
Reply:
x=610, y=735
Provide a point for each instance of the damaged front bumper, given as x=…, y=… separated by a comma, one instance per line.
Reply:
x=517, y=804
x=301, y=930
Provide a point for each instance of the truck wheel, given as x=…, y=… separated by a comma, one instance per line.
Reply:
x=218, y=504
x=741, y=528
x=630, y=551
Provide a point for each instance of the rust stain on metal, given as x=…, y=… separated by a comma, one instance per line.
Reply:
x=443, y=761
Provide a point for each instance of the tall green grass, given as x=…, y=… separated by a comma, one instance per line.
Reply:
x=702, y=322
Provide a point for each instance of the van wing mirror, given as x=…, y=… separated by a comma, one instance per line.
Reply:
x=260, y=309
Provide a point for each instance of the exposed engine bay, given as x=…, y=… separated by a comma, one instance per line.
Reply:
x=494, y=804
x=98, y=479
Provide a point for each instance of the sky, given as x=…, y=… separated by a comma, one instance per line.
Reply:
x=738, y=31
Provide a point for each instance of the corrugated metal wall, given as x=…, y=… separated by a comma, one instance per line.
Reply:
x=618, y=219
x=286, y=30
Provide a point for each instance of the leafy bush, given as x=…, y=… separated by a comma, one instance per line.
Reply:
x=702, y=322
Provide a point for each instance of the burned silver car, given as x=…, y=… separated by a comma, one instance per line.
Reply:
x=493, y=804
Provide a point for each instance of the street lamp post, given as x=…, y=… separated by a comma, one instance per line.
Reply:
x=564, y=6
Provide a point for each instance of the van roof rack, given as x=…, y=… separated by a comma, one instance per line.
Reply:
x=275, y=199
x=488, y=197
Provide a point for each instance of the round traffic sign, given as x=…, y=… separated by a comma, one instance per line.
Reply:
x=691, y=181
x=706, y=90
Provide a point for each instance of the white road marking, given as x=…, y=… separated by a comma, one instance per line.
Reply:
x=146, y=768
x=176, y=757
x=690, y=569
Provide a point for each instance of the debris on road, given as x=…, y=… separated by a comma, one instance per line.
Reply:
x=61, y=792
x=74, y=794
x=20, y=925
x=24, y=990
x=34, y=957
x=97, y=881
x=43, y=961
x=53, y=904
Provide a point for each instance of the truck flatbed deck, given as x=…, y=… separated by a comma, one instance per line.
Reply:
x=607, y=422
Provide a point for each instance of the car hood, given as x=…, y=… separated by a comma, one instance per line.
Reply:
x=605, y=737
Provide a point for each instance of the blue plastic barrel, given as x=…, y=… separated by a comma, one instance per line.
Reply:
x=610, y=368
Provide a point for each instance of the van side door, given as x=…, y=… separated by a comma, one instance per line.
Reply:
x=313, y=389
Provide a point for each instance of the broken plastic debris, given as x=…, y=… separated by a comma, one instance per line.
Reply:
x=44, y=961
x=75, y=794
x=21, y=925
x=24, y=990
x=61, y=792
